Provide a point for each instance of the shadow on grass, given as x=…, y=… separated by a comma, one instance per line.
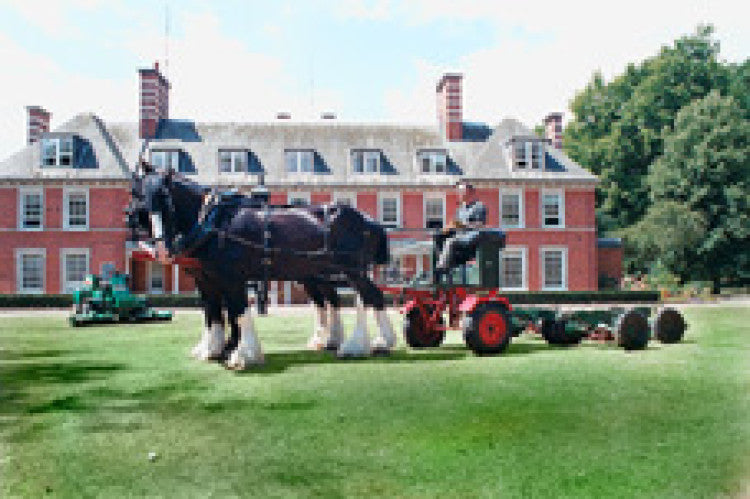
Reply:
x=277, y=362
x=34, y=354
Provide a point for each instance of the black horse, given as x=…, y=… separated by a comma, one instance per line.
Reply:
x=237, y=240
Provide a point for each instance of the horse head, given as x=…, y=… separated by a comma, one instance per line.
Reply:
x=150, y=212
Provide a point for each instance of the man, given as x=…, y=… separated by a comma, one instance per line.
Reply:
x=470, y=216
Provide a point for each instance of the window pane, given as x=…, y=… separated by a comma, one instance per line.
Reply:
x=32, y=211
x=389, y=210
x=66, y=152
x=225, y=161
x=511, y=210
x=512, y=270
x=157, y=277
x=240, y=161
x=426, y=167
x=306, y=161
x=49, y=152
x=536, y=155
x=32, y=272
x=77, y=210
x=174, y=160
x=358, y=162
x=440, y=161
x=553, y=269
x=434, y=213
x=158, y=159
x=551, y=209
x=519, y=154
x=291, y=161
x=76, y=268
x=372, y=162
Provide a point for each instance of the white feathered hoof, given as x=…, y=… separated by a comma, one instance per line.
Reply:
x=336, y=331
x=211, y=345
x=381, y=348
x=243, y=359
x=358, y=344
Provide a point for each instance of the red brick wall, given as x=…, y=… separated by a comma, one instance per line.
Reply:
x=320, y=198
x=367, y=202
x=491, y=199
x=9, y=211
x=412, y=210
x=532, y=214
x=610, y=262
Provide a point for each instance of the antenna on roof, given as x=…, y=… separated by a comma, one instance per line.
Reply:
x=166, y=39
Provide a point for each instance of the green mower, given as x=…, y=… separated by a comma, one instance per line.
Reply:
x=107, y=299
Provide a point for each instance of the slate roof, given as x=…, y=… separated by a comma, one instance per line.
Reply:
x=116, y=146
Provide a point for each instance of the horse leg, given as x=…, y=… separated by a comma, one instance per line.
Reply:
x=248, y=352
x=321, y=330
x=373, y=297
x=335, y=328
x=212, y=342
x=358, y=343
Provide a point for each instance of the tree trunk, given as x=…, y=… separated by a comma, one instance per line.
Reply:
x=716, y=286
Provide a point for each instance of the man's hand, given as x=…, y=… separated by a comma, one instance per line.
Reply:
x=161, y=254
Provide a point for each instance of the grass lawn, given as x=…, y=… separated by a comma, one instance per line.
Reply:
x=80, y=410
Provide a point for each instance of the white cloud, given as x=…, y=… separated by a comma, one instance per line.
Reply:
x=216, y=78
x=546, y=51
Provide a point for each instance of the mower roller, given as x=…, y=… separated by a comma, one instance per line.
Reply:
x=469, y=295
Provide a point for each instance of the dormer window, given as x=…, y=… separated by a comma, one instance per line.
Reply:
x=233, y=161
x=366, y=160
x=168, y=159
x=528, y=154
x=57, y=151
x=299, y=160
x=433, y=161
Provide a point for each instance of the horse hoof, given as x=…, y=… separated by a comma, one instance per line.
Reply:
x=331, y=347
x=381, y=352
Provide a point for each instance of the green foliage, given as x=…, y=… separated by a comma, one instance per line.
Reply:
x=705, y=170
x=617, y=130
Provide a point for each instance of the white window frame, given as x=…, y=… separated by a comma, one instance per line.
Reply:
x=523, y=250
x=149, y=282
x=528, y=154
x=20, y=252
x=521, y=207
x=542, y=251
x=58, y=148
x=350, y=197
x=432, y=153
x=366, y=154
x=292, y=195
x=64, y=254
x=391, y=194
x=432, y=196
x=22, y=192
x=299, y=153
x=66, y=207
x=561, y=208
x=234, y=156
x=172, y=152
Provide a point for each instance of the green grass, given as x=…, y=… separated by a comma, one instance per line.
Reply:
x=80, y=409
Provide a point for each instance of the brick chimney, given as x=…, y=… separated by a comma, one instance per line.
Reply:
x=37, y=123
x=154, y=101
x=450, y=107
x=553, y=128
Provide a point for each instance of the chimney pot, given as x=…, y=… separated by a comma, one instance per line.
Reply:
x=553, y=127
x=283, y=115
x=450, y=106
x=37, y=123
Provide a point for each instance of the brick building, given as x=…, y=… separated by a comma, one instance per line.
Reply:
x=64, y=193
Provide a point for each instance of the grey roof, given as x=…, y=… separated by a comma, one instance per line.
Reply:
x=117, y=146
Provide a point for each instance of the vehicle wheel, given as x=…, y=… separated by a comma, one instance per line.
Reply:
x=487, y=329
x=669, y=326
x=418, y=334
x=632, y=330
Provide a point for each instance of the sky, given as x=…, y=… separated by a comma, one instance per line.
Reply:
x=365, y=60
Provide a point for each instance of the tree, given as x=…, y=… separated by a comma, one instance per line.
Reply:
x=702, y=184
x=617, y=130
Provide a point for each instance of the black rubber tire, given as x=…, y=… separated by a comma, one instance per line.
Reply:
x=414, y=333
x=553, y=332
x=669, y=326
x=632, y=330
x=474, y=327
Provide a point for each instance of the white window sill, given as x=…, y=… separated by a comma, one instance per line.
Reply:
x=31, y=291
x=31, y=229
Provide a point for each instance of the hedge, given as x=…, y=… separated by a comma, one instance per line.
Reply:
x=347, y=299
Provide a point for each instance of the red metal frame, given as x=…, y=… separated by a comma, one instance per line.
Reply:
x=456, y=300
